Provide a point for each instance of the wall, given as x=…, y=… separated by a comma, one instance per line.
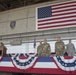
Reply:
x=24, y=17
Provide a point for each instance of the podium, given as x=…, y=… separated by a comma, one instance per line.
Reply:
x=3, y=51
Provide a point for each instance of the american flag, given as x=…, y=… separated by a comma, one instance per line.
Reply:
x=57, y=15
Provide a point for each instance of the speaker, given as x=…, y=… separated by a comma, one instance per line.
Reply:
x=2, y=51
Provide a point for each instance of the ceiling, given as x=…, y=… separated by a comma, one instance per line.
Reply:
x=11, y=4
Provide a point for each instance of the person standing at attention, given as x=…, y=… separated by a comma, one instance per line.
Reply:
x=70, y=48
x=59, y=47
x=39, y=49
x=46, y=48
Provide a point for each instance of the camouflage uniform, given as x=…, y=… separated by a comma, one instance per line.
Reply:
x=39, y=50
x=59, y=48
x=46, y=49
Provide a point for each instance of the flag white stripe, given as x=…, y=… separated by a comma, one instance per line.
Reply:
x=64, y=5
x=45, y=65
x=60, y=16
x=67, y=8
x=6, y=64
x=64, y=19
x=70, y=11
x=58, y=24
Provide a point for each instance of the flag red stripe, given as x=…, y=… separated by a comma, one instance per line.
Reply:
x=64, y=7
x=56, y=26
x=57, y=18
x=64, y=13
x=63, y=3
x=69, y=9
x=56, y=22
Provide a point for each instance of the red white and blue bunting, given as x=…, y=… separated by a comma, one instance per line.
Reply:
x=24, y=63
x=44, y=65
x=66, y=64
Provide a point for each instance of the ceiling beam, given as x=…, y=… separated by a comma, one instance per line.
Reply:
x=10, y=4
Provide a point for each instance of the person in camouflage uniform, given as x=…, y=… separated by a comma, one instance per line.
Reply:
x=59, y=47
x=46, y=48
x=39, y=49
